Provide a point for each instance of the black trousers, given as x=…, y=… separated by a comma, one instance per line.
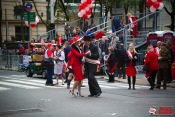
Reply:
x=94, y=87
x=152, y=77
x=50, y=72
x=162, y=75
x=121, y=69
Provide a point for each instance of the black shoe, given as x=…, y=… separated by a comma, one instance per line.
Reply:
x=49, y=84
x=83, y=86
x=151, y=88
x=157, y=87
x=90, y=95
x=97, y=95
x=133, y=88
x=164, y=88
x=129, y=88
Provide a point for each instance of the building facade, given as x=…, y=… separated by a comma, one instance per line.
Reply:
x=12, y=23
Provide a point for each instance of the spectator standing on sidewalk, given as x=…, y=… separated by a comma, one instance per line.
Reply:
x=164, y=57
x=111, y=63
x=170, y=48
x=158, y=47
x=131, y=59
x=66, y=49
x=120, y=59
x=151, y=60
x=50, y=70
x=58, y=67
x=21, y=50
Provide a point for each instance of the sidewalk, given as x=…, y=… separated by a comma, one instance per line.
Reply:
x=141, y=80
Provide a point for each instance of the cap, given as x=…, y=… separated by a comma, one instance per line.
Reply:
x=87, y=38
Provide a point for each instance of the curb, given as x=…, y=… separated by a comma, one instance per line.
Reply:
x=116, y=80
x=143, y=84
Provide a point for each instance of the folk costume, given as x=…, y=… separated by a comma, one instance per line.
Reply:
x=77, y=56
x=134, y=26
x=151, y=61
x=91, y=62
x=111, y=63
x=131, y=59
x=50, y=70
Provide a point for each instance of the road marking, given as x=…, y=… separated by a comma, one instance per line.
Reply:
x=18, y=85
x=3, y=88
x=26, y=82
x=18, y=76
x=41, y=83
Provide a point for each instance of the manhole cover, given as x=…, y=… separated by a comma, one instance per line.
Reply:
x=20, y=111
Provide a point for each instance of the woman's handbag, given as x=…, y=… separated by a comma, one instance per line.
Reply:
x=46, y=63
x=145, y=67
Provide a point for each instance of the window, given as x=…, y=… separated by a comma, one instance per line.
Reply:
x=18, y=12
x=18, y=33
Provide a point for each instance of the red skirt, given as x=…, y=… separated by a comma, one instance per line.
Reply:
x=111, y=70
x=78, y=73
x=130, y=70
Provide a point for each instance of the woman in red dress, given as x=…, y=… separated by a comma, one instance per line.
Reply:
x=131, y=60
x=77, y=64
x=151, y=60
x=134, y=25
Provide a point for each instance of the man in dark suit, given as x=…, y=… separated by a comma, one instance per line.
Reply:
x=120, y=59
x=91, y=62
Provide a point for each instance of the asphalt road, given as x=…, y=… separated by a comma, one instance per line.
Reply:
x=21, y=96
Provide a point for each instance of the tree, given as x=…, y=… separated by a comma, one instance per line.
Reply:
x=39, y=15
x=171, y=13
x=64, y=8
x=0, y=23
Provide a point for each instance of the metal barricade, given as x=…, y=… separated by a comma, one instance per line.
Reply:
x=11, y=62
x=140, y=62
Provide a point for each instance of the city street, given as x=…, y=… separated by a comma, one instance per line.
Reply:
x=22, y=96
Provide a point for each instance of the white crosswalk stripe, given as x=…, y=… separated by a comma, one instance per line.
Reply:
x=3, y=88
x=21, y=81
x=18, y=85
